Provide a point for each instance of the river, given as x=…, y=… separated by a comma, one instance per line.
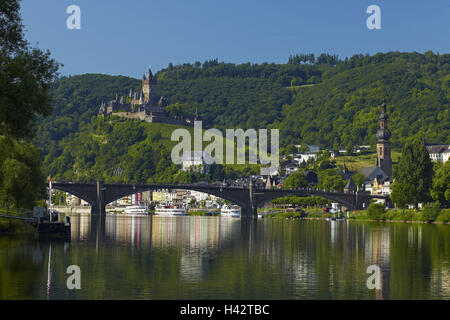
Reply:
x=223, y=258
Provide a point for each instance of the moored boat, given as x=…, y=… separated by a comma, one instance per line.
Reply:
x=136, y=210
x=230, y=211
x=166, y=210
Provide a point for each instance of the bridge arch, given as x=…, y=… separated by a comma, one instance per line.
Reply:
x=138, y=189
x=79, y=191
x=269, y=196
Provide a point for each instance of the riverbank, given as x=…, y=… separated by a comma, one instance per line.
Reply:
x=396, y=215
x=10, y=226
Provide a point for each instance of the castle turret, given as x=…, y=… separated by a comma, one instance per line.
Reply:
x=149, y=82
x=384, y=160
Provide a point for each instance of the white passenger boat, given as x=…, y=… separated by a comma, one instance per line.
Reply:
x=165, y=210
x=230, y=211
x=136, y=210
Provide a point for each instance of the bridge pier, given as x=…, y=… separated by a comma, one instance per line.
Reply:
x=249, y=212
x=99, y=206
x=251, y=209
x=98, y=209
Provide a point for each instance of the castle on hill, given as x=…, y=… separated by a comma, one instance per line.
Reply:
x=146, y=106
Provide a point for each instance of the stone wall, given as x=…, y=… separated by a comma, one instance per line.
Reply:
x=141, y=115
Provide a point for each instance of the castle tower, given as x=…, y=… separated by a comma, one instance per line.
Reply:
x=149, y=83
x=384, y=160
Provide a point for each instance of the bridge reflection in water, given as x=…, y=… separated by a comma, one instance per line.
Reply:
x=163, y=232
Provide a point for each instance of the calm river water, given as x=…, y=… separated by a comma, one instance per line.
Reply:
x=220, y=258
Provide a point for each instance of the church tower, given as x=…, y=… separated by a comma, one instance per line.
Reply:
x=384, y=160
x=149, y=82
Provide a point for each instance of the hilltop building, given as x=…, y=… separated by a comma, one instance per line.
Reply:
x=312, y=153
x=196, y=161
x=146, y=105
x=439, y=152
x=288, y=167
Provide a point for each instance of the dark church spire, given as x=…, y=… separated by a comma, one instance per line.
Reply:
x=384, y=160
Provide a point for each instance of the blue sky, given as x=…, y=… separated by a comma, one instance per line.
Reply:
x=125, y=37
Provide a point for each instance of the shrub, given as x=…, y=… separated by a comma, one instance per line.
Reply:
x=444, y=216
x=431, y=212
x=403, y=215
x=375, y=211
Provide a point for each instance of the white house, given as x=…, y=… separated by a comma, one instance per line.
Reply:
x=439, y=152
x=305, y=156
x=289, y=166
x=358, y=149
x=199, y=196
x=196, y=161
x=74, y=201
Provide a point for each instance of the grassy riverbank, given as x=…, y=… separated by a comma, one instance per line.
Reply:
x=9, y=226
x=399, y=215
x=308, y=213
x=406, y=215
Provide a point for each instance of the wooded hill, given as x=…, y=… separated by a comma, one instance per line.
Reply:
x=323, y=101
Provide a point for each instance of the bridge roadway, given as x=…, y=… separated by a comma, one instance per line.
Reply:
x=99, y=194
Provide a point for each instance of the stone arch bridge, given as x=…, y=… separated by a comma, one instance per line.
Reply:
x=99, y=194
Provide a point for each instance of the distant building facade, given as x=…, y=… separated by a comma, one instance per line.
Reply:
x=196, y=161
x=312, y=153
x=288, y=167
x=439, y=152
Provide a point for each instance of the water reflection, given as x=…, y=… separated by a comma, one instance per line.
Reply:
x=211, y=257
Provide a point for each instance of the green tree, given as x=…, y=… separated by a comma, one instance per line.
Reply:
x=330, y=179
x=25, y=76
x=216, y=172
x=440, y=190
x=15, y=182
x=349, y=149
x=303, y=147
x=359, y=179
x=291, y=149
x=325, y=164
x=402, y=194
x=431, y=211
x=178, y=110
x=414, y=173
x=375, y=211
x=296, y=180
